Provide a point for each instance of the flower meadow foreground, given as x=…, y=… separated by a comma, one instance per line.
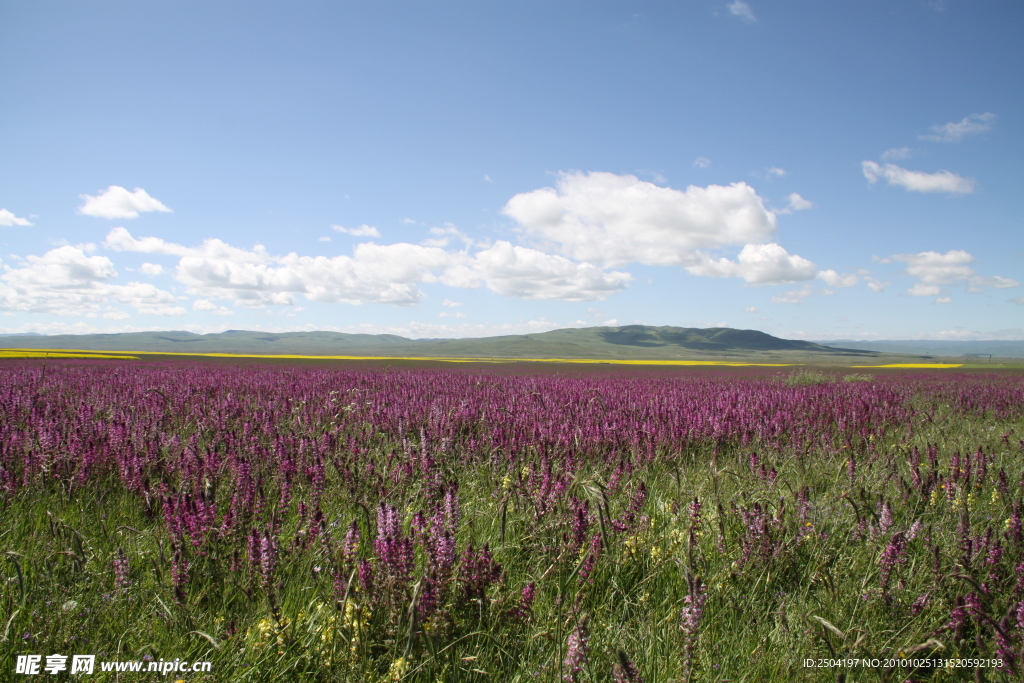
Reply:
x=290, y=523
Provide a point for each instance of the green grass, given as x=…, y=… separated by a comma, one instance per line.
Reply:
x=819, y=593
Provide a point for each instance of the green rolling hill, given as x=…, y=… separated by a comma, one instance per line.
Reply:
x=631, y=341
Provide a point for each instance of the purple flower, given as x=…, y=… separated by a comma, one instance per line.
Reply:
x=625, y=671
x=268, y=557
x=895, y=553
x=121, y=570
x=352, y=537
x=693, y=609
x=577, y=652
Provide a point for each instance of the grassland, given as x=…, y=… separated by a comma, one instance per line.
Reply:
x=385, y=524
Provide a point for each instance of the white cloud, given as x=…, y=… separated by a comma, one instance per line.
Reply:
x=323, y=239
x=67, y=281
x=798, y=203
x=794, y=296
x=795, y=203
x=896, y=154
x=531, y=274
x=775, y=172
x=834, y=279
x=377, y=274
x=115, y=314
x=920, y=289
x=1018, y=300
x=917, y=181
x=204, y=305
x=701, y=162
x=151, y=269
x=451, y=304
x=407, y=221
x=611, y=219
x=758, y=264
x=373, y=274
x=944, y=300
x=117, y=202
x=210, y=307
x=934, y=270
x=119, y=239
x=451, y=314
x=362, y=231
x=751, y=309
x=442, y=237
x=956, y=130
x=874, y=284
x=8, y=219
x=742, y=10
x=487, y=178
x=147, y=299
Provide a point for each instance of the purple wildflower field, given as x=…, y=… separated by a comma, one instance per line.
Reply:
x=289, y=522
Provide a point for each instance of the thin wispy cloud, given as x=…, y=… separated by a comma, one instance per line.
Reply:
x=795, y=203
x=743, y=11
x=896, y=154
x=362, y=231
x=917, y=181
x=955, y=131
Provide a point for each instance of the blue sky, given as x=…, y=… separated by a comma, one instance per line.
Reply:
x=449, y=169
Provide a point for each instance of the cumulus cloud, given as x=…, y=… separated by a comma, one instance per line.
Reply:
x=955, y=131
x=917, y=181
x=117, y=202
x=611, y=219
x=68, y=281
x=388, y=274
x=151, y=269
x=742, y=10
x=362, y=231
x=9, y=220
x=834, y=279
x=934, y=270
x=758, y=264
x=531, y=274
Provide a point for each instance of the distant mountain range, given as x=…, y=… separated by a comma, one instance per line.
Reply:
x=997, y=348
x=631, y=341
